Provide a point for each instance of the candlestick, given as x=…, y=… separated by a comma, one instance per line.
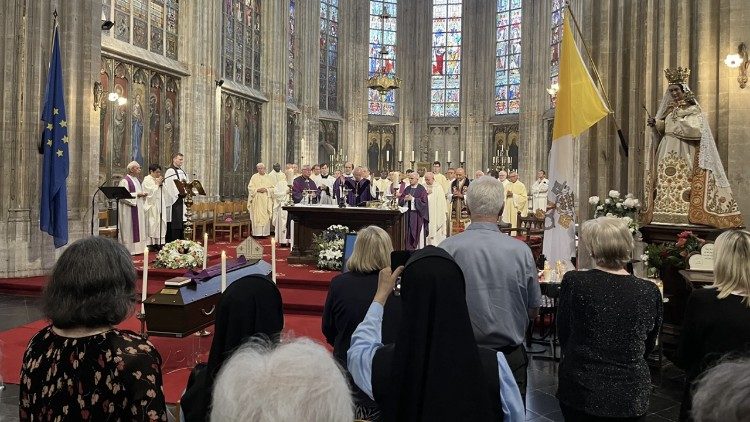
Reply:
x=401, y=156
x=223, y=271
x=387, y=156
x=205, y=249
x=273, y=259
x=449, y=157
x=412, y=156
x=462, y=157
x=436, y=155
x=144, y=288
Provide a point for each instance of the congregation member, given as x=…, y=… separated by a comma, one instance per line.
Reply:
x=276, y=174
x=435, y=370
x=250, y=307
x=132, y=230
x=81, y=367
x=296, y=380
x=440, y=177
x=459, y=212
x=414, y=198
x=516, y=200
x=502, y=290
x=717, y=319
x=349, y=296
x=438, y=210
x=303, y=185
x=173, y=198
x=722, y=393
x=260, y=201
x=539, y=192
x=280, y=215
x=608, y=322
x=155, y=208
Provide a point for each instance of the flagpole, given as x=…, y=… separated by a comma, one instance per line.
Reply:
x=623, y=141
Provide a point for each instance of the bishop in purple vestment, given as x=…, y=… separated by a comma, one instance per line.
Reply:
x=304, y=183
x=414, y=197
x=358, y=186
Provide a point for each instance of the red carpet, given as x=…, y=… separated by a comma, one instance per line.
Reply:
x=303, y=290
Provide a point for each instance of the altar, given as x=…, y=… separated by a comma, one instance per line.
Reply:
x=310, y=220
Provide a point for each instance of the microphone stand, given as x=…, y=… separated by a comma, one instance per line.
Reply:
x=93, y=205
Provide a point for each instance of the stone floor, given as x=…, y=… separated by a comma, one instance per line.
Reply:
x=542, y=406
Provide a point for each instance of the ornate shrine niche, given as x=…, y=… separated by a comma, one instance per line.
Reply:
x=328, y=141
x=240, y=145
x=382, y=150
x=507, y=137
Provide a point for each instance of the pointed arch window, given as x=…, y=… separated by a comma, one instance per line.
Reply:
x=384, y=105
x=555, y=43
x=329, y=44
x=508, y=57
x=445, y=90
x=241, y=41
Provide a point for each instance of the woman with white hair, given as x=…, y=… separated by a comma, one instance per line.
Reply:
x=297, y=380
x=349, y=296
x=608, y=321
x=717, y=320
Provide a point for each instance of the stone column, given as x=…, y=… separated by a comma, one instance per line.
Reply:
x=353, y=61
x=26, y=46
x=274, y=77
x=308, y=28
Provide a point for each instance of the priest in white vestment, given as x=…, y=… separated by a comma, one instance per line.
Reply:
x=155, y=208
x=516, y=200
x=539, y=192
x=276, y=174
x=440, y=177
x=131, y=217
x=172, y=197
x=438, y=210
x=280, y=198
x=260, y=201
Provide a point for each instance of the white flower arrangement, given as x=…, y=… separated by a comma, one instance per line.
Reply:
x=330, y=247
x=616, y=206
x=180, y=254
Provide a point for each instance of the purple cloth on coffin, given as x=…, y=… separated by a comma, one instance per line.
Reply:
x=419, y=217
x=215, y=270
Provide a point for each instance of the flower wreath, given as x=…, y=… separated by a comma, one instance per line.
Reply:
x=180, y=254
x=329, y=247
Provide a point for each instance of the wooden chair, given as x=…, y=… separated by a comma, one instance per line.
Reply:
x=242, y=215
x=224, y=221
x=530, y=230
x=201, y=218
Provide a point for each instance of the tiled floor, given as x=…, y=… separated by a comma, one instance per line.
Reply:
x=542, y=406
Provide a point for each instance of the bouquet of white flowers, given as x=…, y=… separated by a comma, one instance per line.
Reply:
x=614, y=205
x=329, y=247
x=180, y=254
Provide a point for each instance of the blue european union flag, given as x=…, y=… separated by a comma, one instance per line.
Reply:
x=53, y=217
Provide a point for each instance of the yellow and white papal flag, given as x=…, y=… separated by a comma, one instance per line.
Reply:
x=578, y=107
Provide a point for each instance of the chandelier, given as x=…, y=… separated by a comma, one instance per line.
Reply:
x=383, y=81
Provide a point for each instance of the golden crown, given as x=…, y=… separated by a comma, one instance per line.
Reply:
x=677, y=75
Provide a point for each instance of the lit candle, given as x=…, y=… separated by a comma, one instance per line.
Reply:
x=462, y=157
x=144, y=288
x=387, y=156
x=436, y=155
x=401, y=156
x=223, y=271
x=412, y=155
x=449, y=156
x=205, y=249
x=273, y=259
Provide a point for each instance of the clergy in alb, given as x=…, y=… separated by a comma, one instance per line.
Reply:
x=539, y=192
x=131, y=217
x=516, y=200
x=459, y=212
x=440, y=177
x=280, y=198
x=173, y=199
x=155, y=208
x=414, y=198
x=303, y=187
x=438, y=210
x=260, y=201
x=687, y=183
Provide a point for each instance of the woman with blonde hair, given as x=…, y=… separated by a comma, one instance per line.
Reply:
x=608, y=321
x=717, y=319
x=349, y=297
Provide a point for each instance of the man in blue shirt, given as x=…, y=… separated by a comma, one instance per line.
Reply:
x=502, y=291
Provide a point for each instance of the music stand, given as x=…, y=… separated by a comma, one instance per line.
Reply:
x=116, y=193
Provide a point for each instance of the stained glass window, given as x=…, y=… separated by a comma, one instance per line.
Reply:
x=555, y=40
x=290, y=50
x=329, y=43
x=150, y=20
x=508, y=57
x=446, y=58
x=382, y=40
x=241, y=41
